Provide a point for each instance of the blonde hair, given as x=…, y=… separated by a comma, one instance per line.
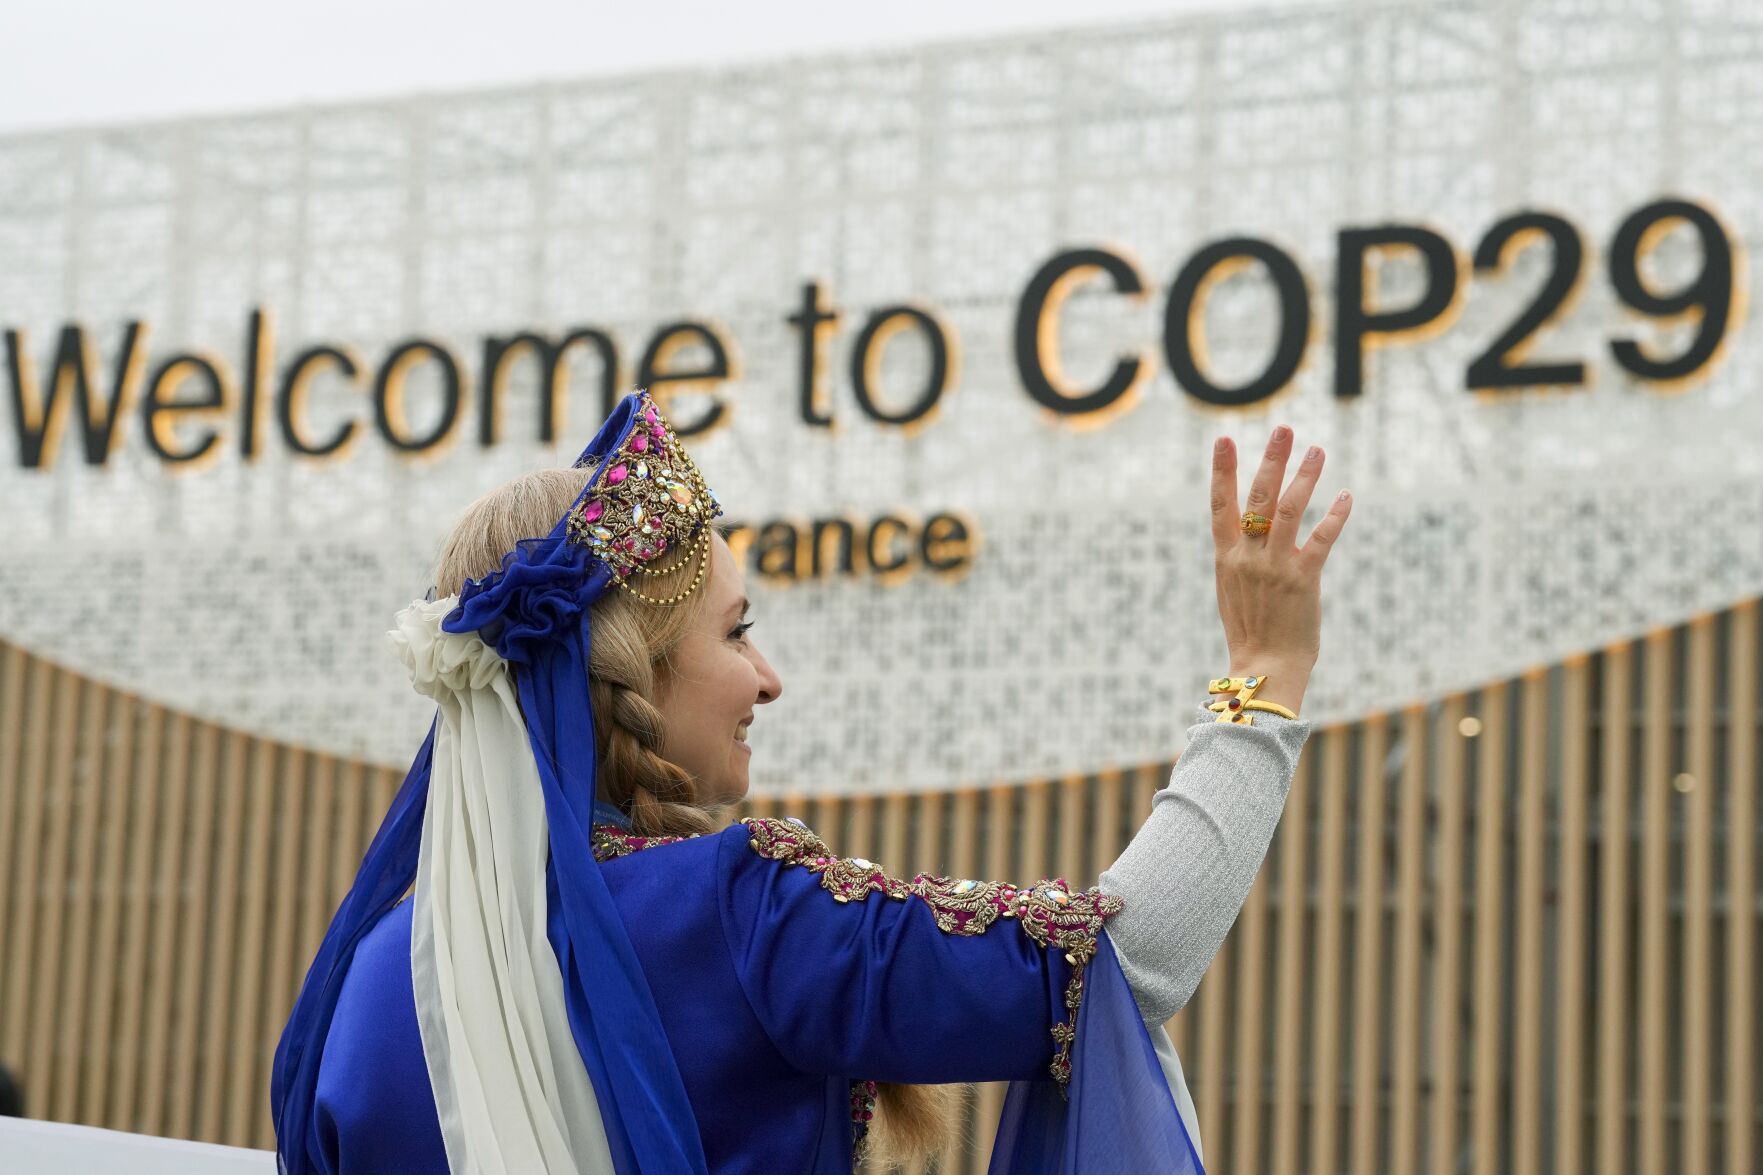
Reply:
x=627, y=664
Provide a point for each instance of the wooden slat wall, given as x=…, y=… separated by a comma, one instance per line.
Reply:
x=1370, y=936
x=1511, y=930
x=1448, y=917
x=1743, y=1016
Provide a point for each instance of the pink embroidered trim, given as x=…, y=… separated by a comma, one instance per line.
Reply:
x=611, y=842
x=1047, y=911
x=862, y=1110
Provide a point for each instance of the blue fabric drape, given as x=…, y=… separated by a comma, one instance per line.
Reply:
x=1120, y=1115
x=387, y=870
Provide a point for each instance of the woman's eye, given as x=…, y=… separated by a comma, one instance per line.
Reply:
x=740, y=632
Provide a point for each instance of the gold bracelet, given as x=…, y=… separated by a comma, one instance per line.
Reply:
x=1256, y=704
x=1236, y=709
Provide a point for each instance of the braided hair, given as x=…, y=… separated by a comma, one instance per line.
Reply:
x=659, y=795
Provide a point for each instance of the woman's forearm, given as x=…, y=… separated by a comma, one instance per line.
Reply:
x=1189, y=867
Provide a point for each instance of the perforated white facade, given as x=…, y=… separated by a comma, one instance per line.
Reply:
x=1493, y=531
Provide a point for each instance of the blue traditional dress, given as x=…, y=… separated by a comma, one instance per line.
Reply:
x=561, y=995
x=789, y=981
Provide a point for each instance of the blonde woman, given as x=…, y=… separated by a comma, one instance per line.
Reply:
x=592, y=973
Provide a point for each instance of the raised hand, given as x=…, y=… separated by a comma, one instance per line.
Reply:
x=1269, y=588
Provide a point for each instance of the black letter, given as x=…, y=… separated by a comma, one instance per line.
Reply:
x=1498, y=366
x=1709, y=297
x=812, y=320
x=259, y=358
x=1184, y=338
x=498, y=352
x=866, y=362
x=777, y=550
x=845, y=535
x=899, y=527
x=945, y=544
x=40, y=420
x=669, y=339
x=1353, y=321
x=1037, y=334
x=291, y=401
x=739, y=537
x=158, y=414
x=388, y=395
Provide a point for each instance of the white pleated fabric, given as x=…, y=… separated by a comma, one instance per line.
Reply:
x=509, y=1084
x=1178, y=1085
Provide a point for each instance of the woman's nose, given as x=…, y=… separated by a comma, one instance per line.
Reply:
x=770, y=685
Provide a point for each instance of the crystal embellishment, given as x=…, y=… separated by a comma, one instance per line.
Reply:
x=635, y=511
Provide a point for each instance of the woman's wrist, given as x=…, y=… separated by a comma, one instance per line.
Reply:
x=1282, y=683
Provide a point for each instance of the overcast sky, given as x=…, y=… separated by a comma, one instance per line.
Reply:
x=76, y=62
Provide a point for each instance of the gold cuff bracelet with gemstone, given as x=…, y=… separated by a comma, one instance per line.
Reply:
x=1235, y=709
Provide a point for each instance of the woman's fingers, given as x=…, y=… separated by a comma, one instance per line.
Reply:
x=1225, y=520
x=1265, y=489
x=1293, y=503
x=1265, y=492
x=1315, y=552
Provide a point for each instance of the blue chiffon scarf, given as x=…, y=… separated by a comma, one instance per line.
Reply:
x=1119, y=1114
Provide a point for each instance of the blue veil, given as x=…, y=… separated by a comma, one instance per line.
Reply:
x=1120, y=1113
x=535, y=613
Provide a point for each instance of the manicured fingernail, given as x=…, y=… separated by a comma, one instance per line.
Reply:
x=1314, y=453
x=1282, y=434
x=1346, y=496
x=1220, y=445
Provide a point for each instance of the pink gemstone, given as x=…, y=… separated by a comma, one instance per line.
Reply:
x=592, y=512
x=640, y=443
x=660, y=545
x=649, y=414
x=646, y=553
x=616, y=474
x=659, y=434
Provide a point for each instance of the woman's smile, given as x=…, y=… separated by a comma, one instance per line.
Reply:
x=716, y=672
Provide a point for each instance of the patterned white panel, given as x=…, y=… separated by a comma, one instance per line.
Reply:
x=1493, y=532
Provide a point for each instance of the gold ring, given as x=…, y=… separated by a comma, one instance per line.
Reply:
x=1256, y=525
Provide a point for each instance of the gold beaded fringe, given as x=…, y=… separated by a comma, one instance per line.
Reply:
x=700, y=547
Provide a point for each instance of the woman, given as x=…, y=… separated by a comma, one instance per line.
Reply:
x=592, y=974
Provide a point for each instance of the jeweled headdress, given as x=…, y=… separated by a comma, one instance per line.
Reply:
x=646, y=498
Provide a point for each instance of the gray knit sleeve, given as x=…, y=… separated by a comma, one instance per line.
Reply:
x=1189, y=867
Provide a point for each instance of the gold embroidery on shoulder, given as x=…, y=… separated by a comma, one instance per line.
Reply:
x=1048, y=912
x=612, y=842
